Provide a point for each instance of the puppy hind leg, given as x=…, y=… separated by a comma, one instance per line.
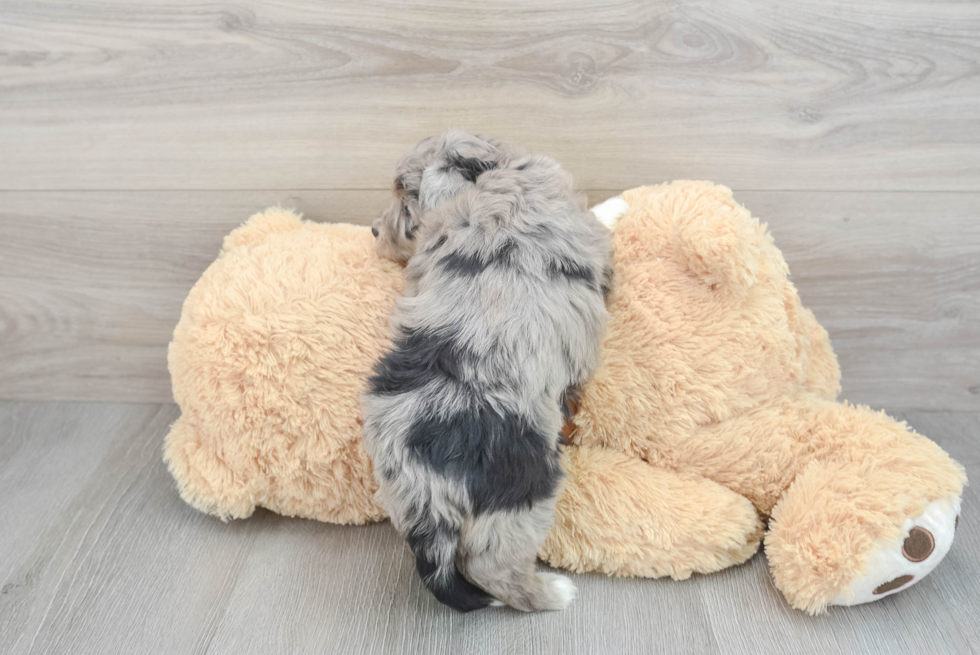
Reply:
x=498, y=552
x=434, y=545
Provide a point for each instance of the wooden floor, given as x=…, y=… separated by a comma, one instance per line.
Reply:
x=101, y=556
x=134, y=135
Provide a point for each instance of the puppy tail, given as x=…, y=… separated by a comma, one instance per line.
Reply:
x=434, y=547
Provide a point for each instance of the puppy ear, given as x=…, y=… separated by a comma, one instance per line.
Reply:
x=461, y=160
x=408, y=222
x=439, y=183
x=448, y=176
x=469, y=167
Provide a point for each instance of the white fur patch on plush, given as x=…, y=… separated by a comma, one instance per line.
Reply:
x=610, y=211
x=893, y=567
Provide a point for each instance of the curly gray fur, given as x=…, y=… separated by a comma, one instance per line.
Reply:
x=501, y=321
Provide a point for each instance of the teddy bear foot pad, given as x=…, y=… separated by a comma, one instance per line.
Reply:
x=895, y=567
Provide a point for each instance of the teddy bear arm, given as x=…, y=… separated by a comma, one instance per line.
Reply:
x=822, y=372
x=620, y=516
x=872, y=513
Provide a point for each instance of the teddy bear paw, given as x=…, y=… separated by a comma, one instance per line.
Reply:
x=894, y=567
x=610, y=211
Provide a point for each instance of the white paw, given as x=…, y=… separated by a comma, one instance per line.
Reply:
x=610, y=211
x=563, y=590
x=894, y=567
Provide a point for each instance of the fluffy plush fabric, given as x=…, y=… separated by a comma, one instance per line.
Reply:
x=268, y=361
x=714, y=408
x=716, y=376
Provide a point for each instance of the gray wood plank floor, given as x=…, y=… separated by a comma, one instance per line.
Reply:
x=99, y=555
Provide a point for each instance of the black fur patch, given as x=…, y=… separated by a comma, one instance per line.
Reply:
x=415, y=359
x=502, y=460
x=572, y=271
x=608, y=274
x=470, y=167
x=454, y=590
x=472, y=265
x=465, y=265
x=438, y=244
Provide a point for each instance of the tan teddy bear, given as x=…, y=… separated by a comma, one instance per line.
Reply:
x=712, y=412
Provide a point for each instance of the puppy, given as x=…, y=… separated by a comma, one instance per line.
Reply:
x=500, y=324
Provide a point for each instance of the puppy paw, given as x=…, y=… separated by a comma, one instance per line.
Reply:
x=894, y=567
x=561, y=590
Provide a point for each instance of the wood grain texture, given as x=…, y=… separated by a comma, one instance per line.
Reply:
x=91, y=284
x=101, y=556
x=811, y=94
x=97, y=554
x=895, y=280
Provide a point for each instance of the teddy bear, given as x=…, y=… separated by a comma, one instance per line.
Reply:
x=711, y=426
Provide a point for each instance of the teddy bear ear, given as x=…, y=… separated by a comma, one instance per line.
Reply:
x=259, y=226
x=717, y=238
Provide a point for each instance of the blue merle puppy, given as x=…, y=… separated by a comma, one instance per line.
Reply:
x=501, y=322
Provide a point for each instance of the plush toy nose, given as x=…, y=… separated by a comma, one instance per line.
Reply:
x=374, y=231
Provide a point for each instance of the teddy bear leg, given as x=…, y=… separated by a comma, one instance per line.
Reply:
x=205, y=481
x=620, y=516
x=835, y=537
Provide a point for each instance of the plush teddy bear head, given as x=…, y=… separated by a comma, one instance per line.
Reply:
x=705, y=323
x=268, y=362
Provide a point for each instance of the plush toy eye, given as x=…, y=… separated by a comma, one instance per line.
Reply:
x=374, y=231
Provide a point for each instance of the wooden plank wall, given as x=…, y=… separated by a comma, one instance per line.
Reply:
x=133, y=136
